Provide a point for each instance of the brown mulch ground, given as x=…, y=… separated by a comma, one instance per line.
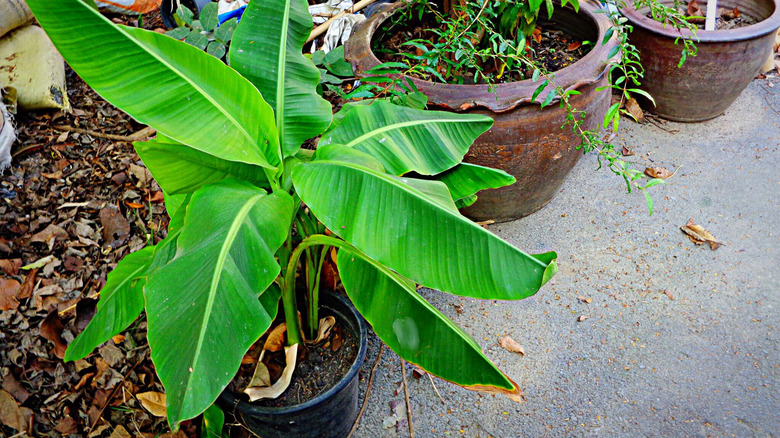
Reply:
x=75, y=203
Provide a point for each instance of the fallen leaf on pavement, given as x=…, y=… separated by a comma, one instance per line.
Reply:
x=10, y=413
x=585, y=300
x=417, y=372
x=509, y=344
x=51, y=329
x=668, y=293
x=658, y=172
x=153, y=401
x=699, y=235
x=581, y=318
x=627, y=152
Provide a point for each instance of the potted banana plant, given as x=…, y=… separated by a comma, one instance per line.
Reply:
x=250, y=207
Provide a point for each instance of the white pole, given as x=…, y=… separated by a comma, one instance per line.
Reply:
x=712, y=8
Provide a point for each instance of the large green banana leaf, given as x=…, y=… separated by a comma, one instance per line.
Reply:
x=167, y=84
x=405, y=139
x=416, y=330
x=202, y=307
x=121, y=301
x=465, y=180
x=403, y=228
x=181, y=169
x=266, y=49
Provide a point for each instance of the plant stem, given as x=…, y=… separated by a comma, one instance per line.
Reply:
x=294, y=331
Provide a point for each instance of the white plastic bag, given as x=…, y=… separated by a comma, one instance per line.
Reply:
x=322, y=12
x=340, y=30
x=7, y=137
x=30, y=63
x=13, y=13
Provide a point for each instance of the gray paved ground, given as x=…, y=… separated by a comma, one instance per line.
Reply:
x=642, y=365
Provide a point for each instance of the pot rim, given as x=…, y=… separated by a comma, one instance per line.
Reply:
x=362, y=334
x=504, y=96
x=762, y=28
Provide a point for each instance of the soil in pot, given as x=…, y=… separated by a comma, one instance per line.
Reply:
x=551, y=47
x=726, y=19
x=319, y=367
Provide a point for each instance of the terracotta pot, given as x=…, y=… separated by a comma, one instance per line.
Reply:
x=708, y=83
x=525, y=141
x=328, y=415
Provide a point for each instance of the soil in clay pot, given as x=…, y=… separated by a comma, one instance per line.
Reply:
x=319, y=367
x=551, y=48
x=726, y=19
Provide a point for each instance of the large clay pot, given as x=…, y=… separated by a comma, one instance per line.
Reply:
x=530, y=143
x=328, y=415
x=708, y=83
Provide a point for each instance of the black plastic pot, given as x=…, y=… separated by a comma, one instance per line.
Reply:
x=330, y=414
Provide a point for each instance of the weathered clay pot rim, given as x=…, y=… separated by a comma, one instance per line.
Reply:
x=757, y=30
x=505, y=96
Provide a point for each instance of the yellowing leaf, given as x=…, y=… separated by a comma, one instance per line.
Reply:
x=152, y=401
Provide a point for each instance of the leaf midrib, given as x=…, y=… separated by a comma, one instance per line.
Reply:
x=282, y=70
x=227, y=244
x=401, y=125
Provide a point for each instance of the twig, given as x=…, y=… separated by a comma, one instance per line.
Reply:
x=140, y=135
x=319, y=30
x=434, y=388
x=368, y=391
x=113, y=393
x=406, y=396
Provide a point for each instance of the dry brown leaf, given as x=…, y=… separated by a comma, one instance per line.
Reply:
x=9, y=292
x=699, y=235
x=49, y=235
x=695, y=11
x=668, y=293
x=67, y=426
x=585, y=300
x=326, y=324
x=581, y=318
x=627, y=152
x=537, y=35
x=116, y=229
x=275, y=390
x=633, y=108
x=28, y=285
x=153, y=401
x=509, y=344
x=275, y=341
x=15, y=388
x=338, y=340
x=261, y=377
x=120, y=432
x=10, y=266
x=51, y=329
x=10, y=413
x=658, y=172
x=573, y=46
x=417, y=372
